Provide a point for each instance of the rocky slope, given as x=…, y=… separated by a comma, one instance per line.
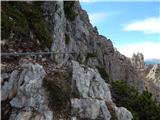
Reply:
x=71, y=32
x=149, y=74
x=153, y=81
x=88, y=46
x=61, y=89
x=30, y=100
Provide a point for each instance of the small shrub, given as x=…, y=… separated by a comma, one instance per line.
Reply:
x=99, y=44
x=57, y=98
x=91, y=55
x=6, y=25
x=67, y=39
x=69, y=10
x=76, y=94
x=103, y=73
x=36, y=22
x=12, y=19
x=25, y=18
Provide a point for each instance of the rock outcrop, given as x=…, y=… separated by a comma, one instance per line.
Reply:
x=149, y=75
x=80, y=38
x=154, y=73
x=123, y=114
x=30, y=99
x=137, y=61
x=153, y=81
x=92, y=97
x=95, y=63
x=54, y=14
x=74, y=37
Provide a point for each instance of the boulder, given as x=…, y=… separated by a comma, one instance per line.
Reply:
x=31, y=94
x=89, y=83
x=123, y=113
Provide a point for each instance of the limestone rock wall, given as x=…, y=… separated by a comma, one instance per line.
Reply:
x=25, y=93
x=86, y=45
x=153, y=81
x=92, y=97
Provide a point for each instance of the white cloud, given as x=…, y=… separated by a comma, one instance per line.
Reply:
x=149, y=26
x=98, y=17
x=150, y=50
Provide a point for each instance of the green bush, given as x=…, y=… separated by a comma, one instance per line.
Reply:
x=103, y=73
x=76, y=94
x=57, y=98
x=69, y=10
x=6, y=25
x=12, y=20
x=25, y=18
x=91, y=55
x=142, y=106
x=67, y=39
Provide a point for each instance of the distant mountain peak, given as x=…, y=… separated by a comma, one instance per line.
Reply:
x=152, y=61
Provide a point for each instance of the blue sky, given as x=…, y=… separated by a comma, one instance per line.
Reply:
x=132, y=26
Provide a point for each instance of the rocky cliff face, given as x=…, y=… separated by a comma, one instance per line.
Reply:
x=94, y=100
x=138, y=61
x=63, y=27
x=25, y=93
x=148, y=73
x=153, y=81
x=88, y=47
x=29, y=100
x=95, y=63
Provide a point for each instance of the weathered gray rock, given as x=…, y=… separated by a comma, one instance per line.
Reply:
x=89, y=108
x=10, y=87
x=86, y=108
x=25, y=115
x=123, y=113
x=93, y=93
x=4, y=76
x=87, y=46
x=54, y=14
x=137, y=60
x=89, y=83
x=105, y=112
x=99, y=89
x=31, y=93
x=154, y=73
x=153, y=81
